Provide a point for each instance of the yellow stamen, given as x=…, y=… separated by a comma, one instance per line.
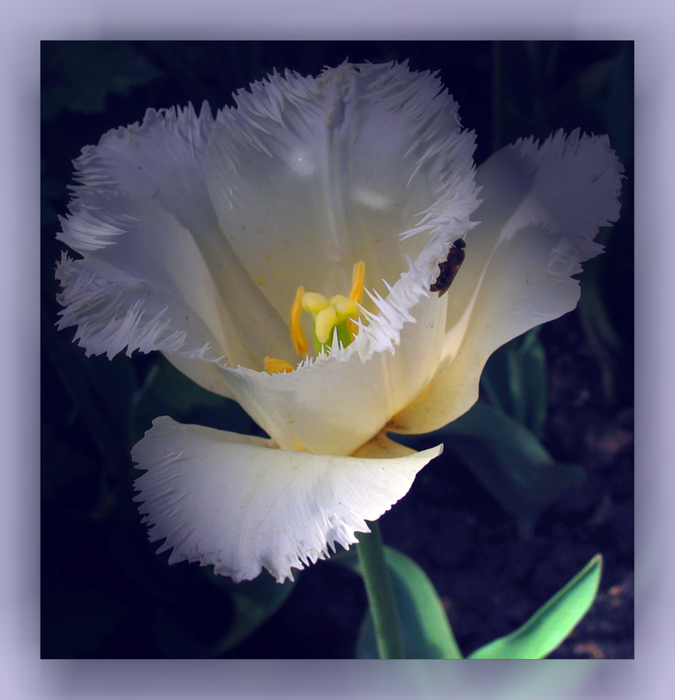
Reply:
x=328, y=315
x=297, y=334
x=356, y=294
x=324, y=323
x=344, y=308
x=274, y=366
x=358, y=279
x=314, y=302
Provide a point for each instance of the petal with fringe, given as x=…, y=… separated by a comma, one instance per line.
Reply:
x=542, y=207
x=226, y=218
x=241, y=504
x=196, y=234
x=310, y=175
x=157, y=272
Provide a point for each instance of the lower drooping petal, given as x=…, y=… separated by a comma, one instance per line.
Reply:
x=239, y=503
x=542, y=207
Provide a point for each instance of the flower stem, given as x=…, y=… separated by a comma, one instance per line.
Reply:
x=383, y=608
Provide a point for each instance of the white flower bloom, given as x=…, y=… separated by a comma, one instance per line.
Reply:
x=195, y=234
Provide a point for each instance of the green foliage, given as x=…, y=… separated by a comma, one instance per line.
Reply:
x=534, y=91
x=514, y=380
x=552, y=623
x=426, y=632
x=95, y=394
x=195, y=613
x=167, y=392
x=78, y=625
x=233, y=611
x=254, y=602
x=510, y=462
x=79, y=75
x=598, y=325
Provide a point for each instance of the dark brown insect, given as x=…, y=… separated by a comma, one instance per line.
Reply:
x=449, y=268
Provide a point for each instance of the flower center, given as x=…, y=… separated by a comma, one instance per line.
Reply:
x=333, y=319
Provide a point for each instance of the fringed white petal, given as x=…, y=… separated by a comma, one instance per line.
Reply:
x=196, y=234
x=150, y=291
x=240, y=504
x=367, y=162
x=109, y=323
x=162, y=158
x=542, y=206
x=157, y=273
x=391, y=183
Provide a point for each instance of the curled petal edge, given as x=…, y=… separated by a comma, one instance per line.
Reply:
x=240, y=504
x=542, y=207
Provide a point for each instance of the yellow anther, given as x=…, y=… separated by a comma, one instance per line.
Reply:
x=344, y=308
x=297, y=334
x=338, y=313
x=358, y=279
x=274, y=366
x=314, y=302
x=324, y=323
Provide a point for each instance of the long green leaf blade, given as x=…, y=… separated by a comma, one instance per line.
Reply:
x=552, y=623
x=510, y=462
x=426, y=632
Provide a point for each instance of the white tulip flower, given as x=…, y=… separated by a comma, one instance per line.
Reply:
x=198, y=237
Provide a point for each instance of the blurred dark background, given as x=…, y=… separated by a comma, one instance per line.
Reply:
x=495, y=553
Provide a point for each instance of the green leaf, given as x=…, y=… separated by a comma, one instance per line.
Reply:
x=425, y=628
x=137, y=557
x=78, y=619
x=166, y=391
x=177, y=390
x=197, y=613
x=515, y=380
x=620, y=108
x=185, y=631
x=510, y=462
x=254, y=603
x=100, y=390
x=240, y=609
x=552, y=623
x=597, y=324
x=79, y=75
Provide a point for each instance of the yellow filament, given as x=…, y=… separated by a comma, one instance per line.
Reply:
x=356, y=293
x=297, y=334
x=358, y=278
x=327, y=315
x=274, y=366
